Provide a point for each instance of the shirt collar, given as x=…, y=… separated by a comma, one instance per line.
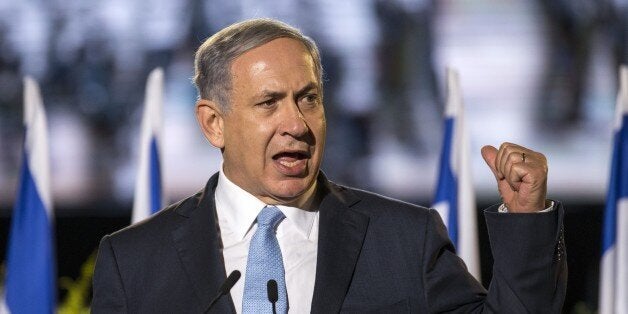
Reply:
x=240, y=209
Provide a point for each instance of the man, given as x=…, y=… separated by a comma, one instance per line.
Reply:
x=271, y=214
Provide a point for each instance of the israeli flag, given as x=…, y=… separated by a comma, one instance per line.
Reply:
x=614, y=268
x=31, y=268
x=148, y=185
x=455, y=199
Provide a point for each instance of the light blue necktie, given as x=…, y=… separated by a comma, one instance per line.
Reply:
x=264, y=263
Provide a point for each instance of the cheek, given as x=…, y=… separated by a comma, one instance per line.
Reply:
x=253, y=128
x=259, y=139
x=263, y=129
x=320, y=130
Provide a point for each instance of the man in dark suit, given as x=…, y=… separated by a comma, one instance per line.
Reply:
x=333, y=248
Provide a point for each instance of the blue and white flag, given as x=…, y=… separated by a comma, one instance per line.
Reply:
x=31, y=267
x=614, y=266
x=148, y=185
x=455, y=199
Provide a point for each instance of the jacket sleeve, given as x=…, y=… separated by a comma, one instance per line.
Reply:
x=530, y=267
x=108, y=291
x=529, y=270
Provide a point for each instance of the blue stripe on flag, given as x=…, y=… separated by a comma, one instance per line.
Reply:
x=447, y=189
x=155, y=178
x=618, y=187
x=30, y=284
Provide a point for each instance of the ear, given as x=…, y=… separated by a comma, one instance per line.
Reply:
x=210, y=119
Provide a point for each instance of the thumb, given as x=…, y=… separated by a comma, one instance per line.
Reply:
x=489, y=153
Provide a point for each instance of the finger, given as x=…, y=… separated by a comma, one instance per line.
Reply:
x=498, y=157
x=510, y=154
x=516, y=174
x=504, y=153
x=501, y=159
x=511, y=160
x=489, y=153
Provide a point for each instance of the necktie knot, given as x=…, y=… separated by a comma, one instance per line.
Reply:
x=270, y=216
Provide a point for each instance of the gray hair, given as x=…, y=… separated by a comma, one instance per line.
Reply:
x=213, y=59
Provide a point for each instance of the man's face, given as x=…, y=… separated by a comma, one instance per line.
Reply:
x=274, y=132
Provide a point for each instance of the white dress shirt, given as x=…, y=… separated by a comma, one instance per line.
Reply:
x=297, y=235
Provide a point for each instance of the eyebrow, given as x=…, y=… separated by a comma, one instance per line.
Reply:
x=276, y=95
x=307, y=88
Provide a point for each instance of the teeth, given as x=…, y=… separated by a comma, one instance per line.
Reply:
x=289, y=163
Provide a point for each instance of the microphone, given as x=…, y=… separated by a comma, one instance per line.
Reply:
x=273, y=295
x=224, y=289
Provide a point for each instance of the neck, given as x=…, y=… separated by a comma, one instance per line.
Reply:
x=308, y=201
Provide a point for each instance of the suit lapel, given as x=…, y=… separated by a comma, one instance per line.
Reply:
x=341, y=233
x=199, y=247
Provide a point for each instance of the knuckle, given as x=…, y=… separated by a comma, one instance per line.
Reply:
x=514, y=157
x=504, y=146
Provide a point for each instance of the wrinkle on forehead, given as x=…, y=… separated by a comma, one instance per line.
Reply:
x=272, y=66
x=262, y=66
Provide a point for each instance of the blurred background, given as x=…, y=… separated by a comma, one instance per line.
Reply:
x=539, y=73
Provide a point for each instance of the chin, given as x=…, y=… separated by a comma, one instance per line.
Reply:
x=292, y=189
x=290, y=193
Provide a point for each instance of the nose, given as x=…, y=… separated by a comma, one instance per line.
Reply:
x=293, y=122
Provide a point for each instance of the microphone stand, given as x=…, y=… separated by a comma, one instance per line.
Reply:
x=273, y=295
x=224, y=289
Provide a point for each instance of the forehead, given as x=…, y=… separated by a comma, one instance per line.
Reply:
x=279, y=58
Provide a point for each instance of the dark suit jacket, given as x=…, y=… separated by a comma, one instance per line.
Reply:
x=375, y=254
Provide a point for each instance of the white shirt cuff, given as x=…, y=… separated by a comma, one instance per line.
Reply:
x=503, y=209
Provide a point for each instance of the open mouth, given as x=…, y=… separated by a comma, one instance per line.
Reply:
x=290, y=158
x=292, y=163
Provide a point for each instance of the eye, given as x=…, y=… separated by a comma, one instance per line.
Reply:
x=269, y=103
x=310, y=99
